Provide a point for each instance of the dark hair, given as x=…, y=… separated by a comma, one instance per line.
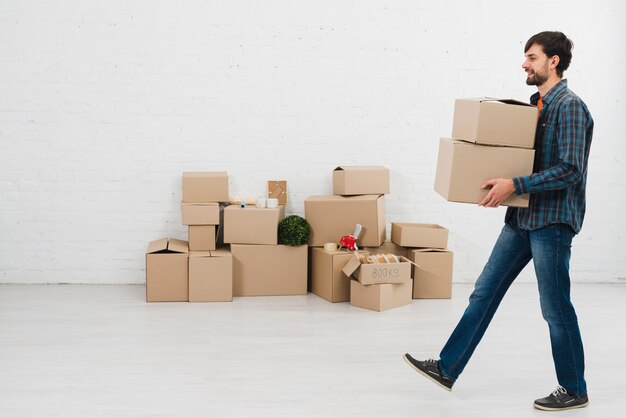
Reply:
x=554, y=43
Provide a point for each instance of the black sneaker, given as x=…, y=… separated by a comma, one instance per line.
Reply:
x=561, y=400
x=430, y=369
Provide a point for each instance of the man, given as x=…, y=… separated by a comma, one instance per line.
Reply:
x=542, y=232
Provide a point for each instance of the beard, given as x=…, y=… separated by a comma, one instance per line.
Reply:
x=537, y=79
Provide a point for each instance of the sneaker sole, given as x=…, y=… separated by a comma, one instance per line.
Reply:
x=425, y=374
x=546, y=408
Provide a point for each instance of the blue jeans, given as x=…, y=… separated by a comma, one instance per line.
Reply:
x=549, y=248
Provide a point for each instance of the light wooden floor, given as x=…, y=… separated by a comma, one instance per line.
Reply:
x=101, y=351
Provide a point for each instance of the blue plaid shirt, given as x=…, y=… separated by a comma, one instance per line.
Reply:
x=557, y=184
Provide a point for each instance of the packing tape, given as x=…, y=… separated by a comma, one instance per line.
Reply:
x=330, y=246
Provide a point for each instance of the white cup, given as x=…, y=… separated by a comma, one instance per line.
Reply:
x=272, y=203
x=261, y=202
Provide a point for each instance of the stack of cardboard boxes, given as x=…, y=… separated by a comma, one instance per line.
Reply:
x=491, y=138
x=262, y=267
x=358, y=198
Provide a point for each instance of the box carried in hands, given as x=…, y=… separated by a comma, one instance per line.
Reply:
x=491, y=121
x=463, y=167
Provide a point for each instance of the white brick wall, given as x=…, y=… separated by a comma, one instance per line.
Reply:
x=104, y=104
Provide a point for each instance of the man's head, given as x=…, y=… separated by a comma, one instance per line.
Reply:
x=548, y=55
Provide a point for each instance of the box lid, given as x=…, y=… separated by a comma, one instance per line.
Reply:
x=204, y=174
x=364, y=197
x=351, y=266
x=361, y=168
x=199, y=254
x=221, y=252
x=505, y=101
x=168, y=245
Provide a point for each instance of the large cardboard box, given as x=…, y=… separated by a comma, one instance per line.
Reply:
x=463, y=167
x=166, y=271
x=432, y=277
x=388, y=247
x=495, y=122
x=380, y=297
x=202, y=237
x=210, y=276
x=419, y=235
x=205, y=186
x=332, y=217
x=201, y=213
x=328, y=281
x=269, y=270
x=356, y=180
x=378, y=273
x=252, y=225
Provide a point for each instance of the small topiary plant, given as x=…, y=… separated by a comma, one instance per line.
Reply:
x=294, y=230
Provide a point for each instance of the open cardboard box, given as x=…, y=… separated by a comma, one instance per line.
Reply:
x=377, y=273
x=492, y=121
x=166, y=271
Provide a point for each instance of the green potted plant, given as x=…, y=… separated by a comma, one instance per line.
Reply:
x=294, y=230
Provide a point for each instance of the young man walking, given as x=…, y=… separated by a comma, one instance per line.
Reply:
x=543, y=232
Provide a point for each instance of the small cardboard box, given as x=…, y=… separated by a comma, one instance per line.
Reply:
x=432, y=274
x=380, y=297
x=388, y=247
x=252, y=225
x=202, y=237
x=328, y=281
x=332, y=217
x=463, y=167
x=269, y=270
x=378, y=273
x=490, y=121
x=205, y=187
x=419, y=235
x=202, y=213
x=357, y=180
x=166, y=271
x=210, y=276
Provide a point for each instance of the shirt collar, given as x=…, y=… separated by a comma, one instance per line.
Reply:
x=549, y=95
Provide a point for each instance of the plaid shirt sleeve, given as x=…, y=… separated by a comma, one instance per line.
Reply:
x=568, y=166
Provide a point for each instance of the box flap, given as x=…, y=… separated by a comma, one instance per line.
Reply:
x=157, y=246
x=178, y=246
x=199, y=254
x=506, y=101
x=352, y=264
x=221, y=252
x=366, y=197
x=360, y=167
x=430, y=250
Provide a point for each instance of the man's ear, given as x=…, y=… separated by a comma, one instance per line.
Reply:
x=554, y=61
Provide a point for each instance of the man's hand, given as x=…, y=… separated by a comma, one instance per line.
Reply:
x=500, y=190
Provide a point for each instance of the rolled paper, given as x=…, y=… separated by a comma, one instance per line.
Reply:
x=330, y=246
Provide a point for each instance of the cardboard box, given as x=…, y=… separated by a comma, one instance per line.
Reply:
x=210, y=276
x=378, y=273
x=495, y=122
x=463, y=167
x=202, y=213
x=332, y=217
x=277, y=189
x=433, y=278
x=357, y=180
x=419, y=235
x=328, y=281
x=166, y=271
x=252, y=225
x=380, y=297
x=205, y=187
x=269, y=270
x=202, y=237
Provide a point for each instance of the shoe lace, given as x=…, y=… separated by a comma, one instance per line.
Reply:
x=431, y=361
x=560, y=390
